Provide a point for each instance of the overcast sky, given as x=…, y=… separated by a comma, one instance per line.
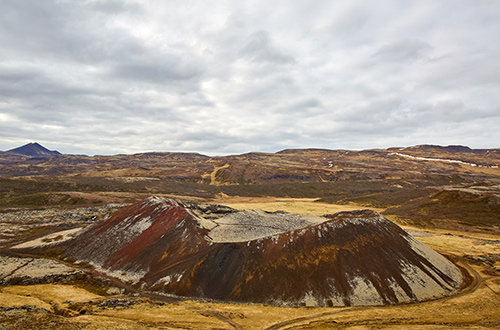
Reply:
x=226, y=77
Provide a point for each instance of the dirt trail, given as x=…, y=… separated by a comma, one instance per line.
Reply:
x=476, y=282
x=311, y=318
x=180, y=300
x=217, y=315
x=213, y=179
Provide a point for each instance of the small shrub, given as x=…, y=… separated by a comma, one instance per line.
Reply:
x=53, y=253
x=85, y=264
x=15, y=280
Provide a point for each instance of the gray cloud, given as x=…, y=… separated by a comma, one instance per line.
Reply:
x=113, y=7
x=170, y=71
x=260, y=48
x=403, y=50
x=107, y=76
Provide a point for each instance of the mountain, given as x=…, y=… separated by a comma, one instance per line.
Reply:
x=453, y=149
x=35, y=150
x=252, y=256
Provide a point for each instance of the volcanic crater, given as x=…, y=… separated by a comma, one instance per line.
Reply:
x=252, y=256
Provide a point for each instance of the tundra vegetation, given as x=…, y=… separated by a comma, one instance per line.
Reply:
x=446, y=197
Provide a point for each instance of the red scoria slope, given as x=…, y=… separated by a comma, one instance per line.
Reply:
x=351, y=258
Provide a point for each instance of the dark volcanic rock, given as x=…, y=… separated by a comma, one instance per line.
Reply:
x=454, y=149
x=35, y=150
x=344, y=259
x=119, y=302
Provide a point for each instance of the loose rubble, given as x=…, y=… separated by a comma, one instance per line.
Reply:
x=249, y=225
x=126, y=302
x=488, y=260
x=58, y=215
x=27, y=308
x=14, y=271
x=17, y=226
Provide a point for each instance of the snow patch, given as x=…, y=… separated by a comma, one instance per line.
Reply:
x=165, y=280
x=442, y=160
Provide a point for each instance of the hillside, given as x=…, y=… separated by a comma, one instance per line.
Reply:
x=210, y=251
x=300, y=165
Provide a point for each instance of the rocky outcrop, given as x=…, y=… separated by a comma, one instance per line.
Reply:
x=29, y=271
x=187, y=249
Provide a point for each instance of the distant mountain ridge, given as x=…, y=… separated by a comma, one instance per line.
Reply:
x=292, y=165
x=454, y=149
x=35, y=149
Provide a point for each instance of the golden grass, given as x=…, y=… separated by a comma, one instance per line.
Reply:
x=292, y=205
x=467, y=312
x=15, y=300
x=174, y=315
x=96, y=322
x=54, y=293
x=459, y=245
x=256, y=316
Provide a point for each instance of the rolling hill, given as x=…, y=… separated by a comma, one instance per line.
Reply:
x=209, y=251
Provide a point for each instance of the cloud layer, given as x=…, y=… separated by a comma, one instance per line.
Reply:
x=105, y=77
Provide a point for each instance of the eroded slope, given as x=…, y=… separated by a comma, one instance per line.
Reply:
x=189, y=249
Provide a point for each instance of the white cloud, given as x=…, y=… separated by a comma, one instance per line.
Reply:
x=103, y=77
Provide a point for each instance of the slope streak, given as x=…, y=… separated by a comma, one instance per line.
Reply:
x=343, y=259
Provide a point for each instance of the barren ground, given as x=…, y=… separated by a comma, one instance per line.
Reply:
x=62, y=306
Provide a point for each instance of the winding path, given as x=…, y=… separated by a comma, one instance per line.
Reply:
x=477, y=280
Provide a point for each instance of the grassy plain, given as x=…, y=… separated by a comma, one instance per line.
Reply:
x=292, y=205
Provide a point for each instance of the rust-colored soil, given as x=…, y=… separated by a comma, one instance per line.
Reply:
x=344, y=259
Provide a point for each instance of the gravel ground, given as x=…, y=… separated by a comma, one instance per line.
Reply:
x=14, y=269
